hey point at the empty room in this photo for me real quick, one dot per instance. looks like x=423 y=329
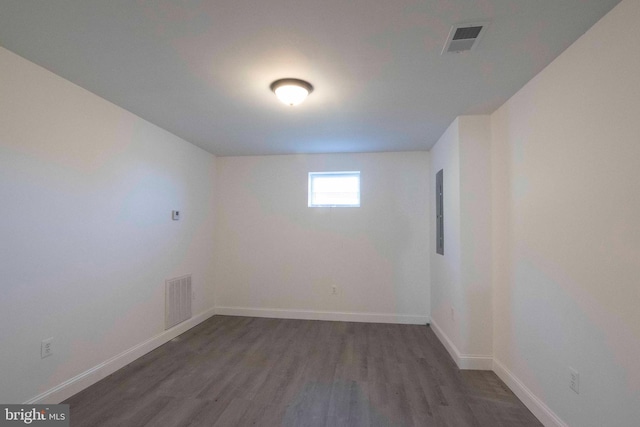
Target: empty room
x=338 y=213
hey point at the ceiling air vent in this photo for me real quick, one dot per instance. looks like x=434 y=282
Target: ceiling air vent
x=464 y=37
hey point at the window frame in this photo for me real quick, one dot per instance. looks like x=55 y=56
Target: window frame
x=311 y=177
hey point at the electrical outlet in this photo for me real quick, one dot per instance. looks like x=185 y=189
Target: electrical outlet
x=46 y=348
x=574 y=380
x=334 y=290
x=175 y=215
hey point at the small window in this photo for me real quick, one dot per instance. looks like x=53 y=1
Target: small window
x=334 y=189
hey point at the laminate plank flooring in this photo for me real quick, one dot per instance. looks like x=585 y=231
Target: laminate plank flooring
x=242 y=371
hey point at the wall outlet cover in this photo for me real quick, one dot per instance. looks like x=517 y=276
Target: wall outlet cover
x=574 y=380
x=46 y=348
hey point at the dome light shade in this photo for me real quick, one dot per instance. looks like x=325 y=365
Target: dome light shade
x=291 y=91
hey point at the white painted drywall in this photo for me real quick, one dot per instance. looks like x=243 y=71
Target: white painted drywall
x=475 y=233
x=566 y=193
x=279 y=257
x=87 y=240
x=446 y=280
x=461 y=279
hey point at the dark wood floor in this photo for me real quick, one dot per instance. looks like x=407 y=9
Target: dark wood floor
x=240 y=371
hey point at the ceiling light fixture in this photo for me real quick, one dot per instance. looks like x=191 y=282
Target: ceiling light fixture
x=291 y=91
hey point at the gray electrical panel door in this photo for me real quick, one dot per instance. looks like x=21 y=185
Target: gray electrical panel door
x=439 y=214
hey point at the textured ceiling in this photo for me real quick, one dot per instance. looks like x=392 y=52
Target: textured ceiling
x=202 y=68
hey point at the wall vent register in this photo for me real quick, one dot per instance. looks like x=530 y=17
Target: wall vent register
x=177 y=300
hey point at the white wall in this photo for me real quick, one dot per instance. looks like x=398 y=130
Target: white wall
x=475 y=234
x=566 y=185
x=446 y=281
x=279 y=257
x=86 y=193
x=461 y=279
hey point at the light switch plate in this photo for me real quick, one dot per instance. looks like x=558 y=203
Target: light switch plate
x=175 y=215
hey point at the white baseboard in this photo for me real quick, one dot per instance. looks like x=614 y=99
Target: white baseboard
x=488 y=363
x=546 y=416
x=91 y=376
x=324 y=315
x=464 y=361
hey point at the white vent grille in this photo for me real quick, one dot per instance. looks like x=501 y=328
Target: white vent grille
x=178 y=301
x=464 y=37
